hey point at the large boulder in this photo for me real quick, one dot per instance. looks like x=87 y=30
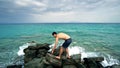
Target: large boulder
x=36 y=51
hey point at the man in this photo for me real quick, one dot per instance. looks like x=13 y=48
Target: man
x=65 y=45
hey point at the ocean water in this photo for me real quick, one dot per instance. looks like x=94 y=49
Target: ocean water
x=88 y=39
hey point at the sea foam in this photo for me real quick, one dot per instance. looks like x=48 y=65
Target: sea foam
x=21 y=48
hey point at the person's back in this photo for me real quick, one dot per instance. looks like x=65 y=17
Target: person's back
x=63 y=36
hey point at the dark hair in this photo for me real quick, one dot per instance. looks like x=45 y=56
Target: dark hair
x=54 y=33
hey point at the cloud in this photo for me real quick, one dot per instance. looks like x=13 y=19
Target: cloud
x=53 y=17
x=29 y=3
x=61 y=10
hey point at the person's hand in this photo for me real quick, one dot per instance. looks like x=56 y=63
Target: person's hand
x=52 y=51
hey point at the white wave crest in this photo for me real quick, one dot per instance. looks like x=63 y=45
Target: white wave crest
x=108 y=59
x=21 y=48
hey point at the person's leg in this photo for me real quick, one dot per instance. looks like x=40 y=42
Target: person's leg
x=67 y=51
x=61 y=51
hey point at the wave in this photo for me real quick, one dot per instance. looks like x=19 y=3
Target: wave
x=21 y=48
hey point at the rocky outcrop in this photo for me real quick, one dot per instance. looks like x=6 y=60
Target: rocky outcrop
x=39 y=57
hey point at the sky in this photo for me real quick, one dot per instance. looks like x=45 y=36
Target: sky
x=50 y=11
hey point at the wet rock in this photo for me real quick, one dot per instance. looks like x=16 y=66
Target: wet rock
x=114 y=66
x=93 y=62
x=98 y=59
x=14 y=66
x=41 y=53
x=69 y=66
x=38 y=57
x=43 y=46
x=77 y=58
x=29 y=55
x=37 y=51
x=53 y=61
x=35 y=63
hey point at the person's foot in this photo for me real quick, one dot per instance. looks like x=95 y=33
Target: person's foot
x=57 y=57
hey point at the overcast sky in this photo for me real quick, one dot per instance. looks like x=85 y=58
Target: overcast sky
x=40 y=11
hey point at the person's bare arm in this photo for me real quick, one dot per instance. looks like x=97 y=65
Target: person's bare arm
x=56 y=42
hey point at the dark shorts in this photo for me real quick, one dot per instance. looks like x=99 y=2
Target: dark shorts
x=67 y=43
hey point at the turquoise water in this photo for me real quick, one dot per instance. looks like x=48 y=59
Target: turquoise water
x=104 y=38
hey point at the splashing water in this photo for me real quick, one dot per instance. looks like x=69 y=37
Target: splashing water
x=108 y=59
x=21 y=48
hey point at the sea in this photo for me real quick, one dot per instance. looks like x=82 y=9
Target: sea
x=88 y=39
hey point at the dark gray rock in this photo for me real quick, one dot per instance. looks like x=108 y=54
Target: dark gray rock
x=14 y=66
x=53 y=61
x=29 y=55
x=93 y=62
x=77 y=58
x=69 y=66
x=35 y=63
x=43 y=46
x=98 y=59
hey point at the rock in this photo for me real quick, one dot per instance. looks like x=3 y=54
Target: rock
x=92 y=62
x=80 y=65
x=77 y=58
x=14 y=66
x=72 y=62
x=32 y=47
x=43 y=46
x=29 y=55
x=98 y=59
x=114 y=66
x=35 y=63
x=69 y=66
x=41 y=53
x=68 y=61
x=38 y=57
x=37 y=51
x=53 y=61
x=49 y=67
